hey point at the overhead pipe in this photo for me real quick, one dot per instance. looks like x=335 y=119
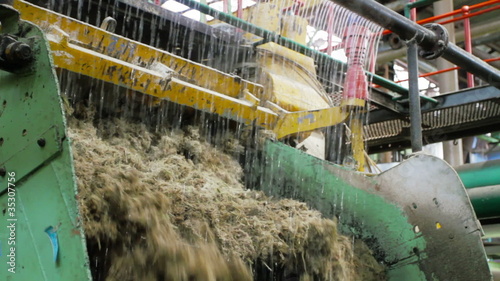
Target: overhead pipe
x=425 y=38
x=422 y=3
x=480 y=174
x=477 y=31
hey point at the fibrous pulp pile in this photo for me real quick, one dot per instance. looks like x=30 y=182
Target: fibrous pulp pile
x=169 y=206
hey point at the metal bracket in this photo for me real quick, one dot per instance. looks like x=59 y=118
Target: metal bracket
x=442 y=42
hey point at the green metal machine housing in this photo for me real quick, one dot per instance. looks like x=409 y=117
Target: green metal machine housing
x=41 y=237
x=416 y=217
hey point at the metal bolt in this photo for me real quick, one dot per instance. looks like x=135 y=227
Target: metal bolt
x=41 y=142
x=19 y=52
x=3 y=172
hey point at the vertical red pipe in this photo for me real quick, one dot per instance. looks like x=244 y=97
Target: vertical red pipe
x=413 y=12
x=468 y=42
x=329 y=30
x=239 y=12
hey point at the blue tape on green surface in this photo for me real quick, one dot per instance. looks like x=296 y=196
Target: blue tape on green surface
x=52 y=232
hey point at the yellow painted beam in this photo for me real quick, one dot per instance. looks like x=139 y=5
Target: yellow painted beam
x=357 y=142
x=93 y=52
x=303 y=121
x=90 y=63
x=130 y=51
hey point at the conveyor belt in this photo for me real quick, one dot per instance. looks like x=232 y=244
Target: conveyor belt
x=459 y=114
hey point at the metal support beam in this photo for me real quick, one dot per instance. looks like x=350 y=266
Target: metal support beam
x=448 y=82
x=415 y=112
x=414 y=93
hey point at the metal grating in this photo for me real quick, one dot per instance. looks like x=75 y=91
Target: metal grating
x=439 y=124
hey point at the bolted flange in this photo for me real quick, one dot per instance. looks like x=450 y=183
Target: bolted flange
x=441 y=44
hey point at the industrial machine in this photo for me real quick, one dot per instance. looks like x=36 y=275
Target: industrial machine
x=417 y=217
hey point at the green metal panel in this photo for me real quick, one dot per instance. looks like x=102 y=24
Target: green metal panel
x=35 y=156
x=396 y=213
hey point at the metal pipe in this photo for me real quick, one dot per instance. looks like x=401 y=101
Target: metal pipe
x=486 y=201
x=329 y=30
x=472 y=64
x=378 y=13
x=477 y=31
x=271 y=36
x=239 y=11
x=415 y=112
x=470 y=15
x=224 y=6
x=491 y=230
x=468 y=43
x=444 y=15
x=414 y=93
x=421 y=3
x=480 y=174
x=456 y=12
x=425 y=38
x=412 y=5
x=491 y=60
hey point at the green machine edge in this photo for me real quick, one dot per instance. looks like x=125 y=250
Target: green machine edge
x=41 y=236
x=421 y=227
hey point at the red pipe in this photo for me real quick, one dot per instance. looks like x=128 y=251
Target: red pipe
x=239 y=12
x=329 y=31
x=492 y=59
x=470 y=15
x=440 y=71
x=468 y=43
x=413 y=12
x=224 y=6
x=456 y=12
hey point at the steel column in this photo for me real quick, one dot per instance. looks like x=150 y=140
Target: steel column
x=414 y=93
x=448 y=82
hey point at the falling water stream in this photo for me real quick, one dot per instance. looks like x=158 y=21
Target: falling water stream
x=160 y=184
